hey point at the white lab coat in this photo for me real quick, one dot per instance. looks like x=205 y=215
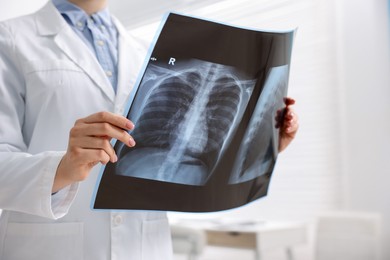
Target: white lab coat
x=48 y=79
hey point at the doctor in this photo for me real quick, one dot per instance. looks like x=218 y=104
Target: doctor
x=67 y=62
x=59 y=69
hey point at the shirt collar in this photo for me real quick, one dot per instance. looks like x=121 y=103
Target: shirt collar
x=78 y=17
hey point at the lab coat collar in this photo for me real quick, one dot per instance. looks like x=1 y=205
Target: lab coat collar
x=51 y=23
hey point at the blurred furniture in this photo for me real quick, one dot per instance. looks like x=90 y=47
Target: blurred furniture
x=348 y=236
x=188 y=240
x=254 y=235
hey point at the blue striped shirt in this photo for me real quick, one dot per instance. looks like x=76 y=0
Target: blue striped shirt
x=98 y=32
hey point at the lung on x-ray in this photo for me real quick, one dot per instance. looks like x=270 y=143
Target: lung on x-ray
x=184 y=116
x=204 y=110
x=255 y=154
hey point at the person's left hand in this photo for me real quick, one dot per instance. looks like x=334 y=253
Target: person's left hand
x=287 y=122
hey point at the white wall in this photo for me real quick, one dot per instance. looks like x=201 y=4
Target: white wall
x=365 y=56
x=10 y=9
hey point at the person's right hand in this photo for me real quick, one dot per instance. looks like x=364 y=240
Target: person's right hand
x=89 y=144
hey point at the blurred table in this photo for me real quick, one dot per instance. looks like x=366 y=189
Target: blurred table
x=249 y=234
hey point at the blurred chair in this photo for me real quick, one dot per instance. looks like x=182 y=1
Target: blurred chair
x=348 y=236
x=187 y=240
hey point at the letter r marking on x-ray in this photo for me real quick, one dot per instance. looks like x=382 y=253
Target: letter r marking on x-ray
x=171 y=61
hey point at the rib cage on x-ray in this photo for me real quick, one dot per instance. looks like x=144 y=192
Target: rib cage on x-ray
x=184 y=123
x=257 y=153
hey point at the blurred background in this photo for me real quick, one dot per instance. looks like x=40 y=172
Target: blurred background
x=335 y=177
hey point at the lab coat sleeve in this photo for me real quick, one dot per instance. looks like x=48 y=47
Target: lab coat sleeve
x=26 y=179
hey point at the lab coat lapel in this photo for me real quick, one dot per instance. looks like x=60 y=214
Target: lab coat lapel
x=76 y=50
x=130 y=61
x=79 y=53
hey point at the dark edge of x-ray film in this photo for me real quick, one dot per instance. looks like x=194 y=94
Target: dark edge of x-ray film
x=204 y=113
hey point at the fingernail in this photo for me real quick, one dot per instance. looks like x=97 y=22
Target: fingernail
x=131 y=142
x=129 y=125
x=115 y=159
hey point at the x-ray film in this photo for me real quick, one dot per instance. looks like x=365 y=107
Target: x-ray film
x=204 y=109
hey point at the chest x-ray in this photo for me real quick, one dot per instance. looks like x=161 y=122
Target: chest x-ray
x=204 y=111
x=183 y=121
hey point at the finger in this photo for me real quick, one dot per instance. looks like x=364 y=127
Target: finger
x=289 y=101
x=292 y=128
x=111 y=118
x=290 y=121
x=88 y=158
x=290 y=114
x=106 y=129
x=97 y=155
x=90 y=142
x=277 y=124
x=282 y=116
x=279 y=118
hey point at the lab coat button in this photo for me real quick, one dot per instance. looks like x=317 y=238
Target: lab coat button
x=100 y=42
x=118 y=220
x=109 y=73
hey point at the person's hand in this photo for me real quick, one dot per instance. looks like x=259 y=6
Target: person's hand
x=287 y=122
x=89 y=144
